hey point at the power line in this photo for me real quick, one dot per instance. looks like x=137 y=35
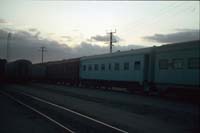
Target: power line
x=162 y=10
x=142 y=20
x=164 y=14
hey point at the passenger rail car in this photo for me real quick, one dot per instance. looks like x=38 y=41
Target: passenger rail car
x=120 y=69
x=177 y=67
x=155 y=68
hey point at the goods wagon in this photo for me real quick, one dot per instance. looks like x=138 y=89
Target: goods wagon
x=18 y=70
x=65 y=71
x=2 y=70
x=38 y=72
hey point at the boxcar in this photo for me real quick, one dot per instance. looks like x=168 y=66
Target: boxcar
x=18 y=70
x=2 y=70
x=38 y=72
x=65 y=71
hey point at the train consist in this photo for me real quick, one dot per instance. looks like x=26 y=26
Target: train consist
x=174 y=67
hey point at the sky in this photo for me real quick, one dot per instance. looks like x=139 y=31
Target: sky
x=77 y=25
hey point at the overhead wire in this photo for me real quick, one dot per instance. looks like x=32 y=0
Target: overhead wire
x=157 y=17
x=164 y=15
x=161 y=11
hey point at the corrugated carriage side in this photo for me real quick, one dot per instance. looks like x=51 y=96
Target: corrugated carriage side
x=18 y=71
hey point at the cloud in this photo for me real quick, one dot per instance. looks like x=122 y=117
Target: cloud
x=105 y=38
x=37 y=34
x=86 y=49
x=3 y=34
x=68 y=38
x=25 y=45
x=2 y=21
x=33 y=30
x=5 y=22
x=50 y=34
x=181 y=35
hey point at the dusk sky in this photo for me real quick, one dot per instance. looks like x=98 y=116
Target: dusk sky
x=73 y=23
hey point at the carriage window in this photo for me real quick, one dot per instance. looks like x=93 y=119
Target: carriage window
x=116 y=67
x=163 y=64
x=96 y=67
x=178 y=63
x=126 y=66
x=194 y=63
x=90 y=68
x=137 y=65
x=103 y=67
x=109 y=66
x=84 y=67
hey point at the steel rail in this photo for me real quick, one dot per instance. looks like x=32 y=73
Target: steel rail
x=74 y=112
x=38 y=112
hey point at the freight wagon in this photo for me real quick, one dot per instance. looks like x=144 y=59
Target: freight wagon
x=2 y=70
x=18 y=71
x=38 y=72
x=65 y=71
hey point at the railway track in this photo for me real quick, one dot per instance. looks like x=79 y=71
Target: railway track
x=131 y=107
x=70 y=120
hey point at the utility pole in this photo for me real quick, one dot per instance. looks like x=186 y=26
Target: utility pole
x=43 y=49
x=111 y=39
x=8 y=46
